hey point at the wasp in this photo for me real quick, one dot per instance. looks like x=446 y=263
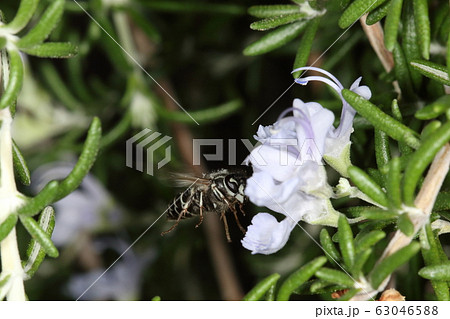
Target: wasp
x=219 y=191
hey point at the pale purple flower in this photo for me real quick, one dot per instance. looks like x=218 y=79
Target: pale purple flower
x=288 y=173
x=337 y=143
x=120 y=282
x=89 y=208
x=265 y=235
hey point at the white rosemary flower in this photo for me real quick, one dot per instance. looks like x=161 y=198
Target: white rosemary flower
x=288 y=173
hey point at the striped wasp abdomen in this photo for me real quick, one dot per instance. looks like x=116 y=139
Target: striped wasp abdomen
x=219 y=191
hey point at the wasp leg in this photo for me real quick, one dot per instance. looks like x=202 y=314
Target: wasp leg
x=201 y=210
x=180 y=216
x=233 y=209
x=225 y=223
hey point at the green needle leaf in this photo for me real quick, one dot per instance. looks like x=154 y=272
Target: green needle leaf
x=448 y=56
x=376 y=175
x=335 y=276
x=431 y=248
x=392 y=262
x=7 y=225
x=44 y=27
x=304 y=49
x=396 y=110
x=20 y=166
x=430 y=128
x=209 y=115
x=436 y=272
x=379 y=13
x=422 y=21
x=52 y=50
x=35 y=252
x=273 y=22
x=435 y=109
x=368 y=240
x=422 y=158
x=356 y=211
x=23 y=16
x=382 y=150
x=267 y=11
x=58 y=86
x=40 y=201
x=343 y=3
x=381 y=120
x=392 y=23
x=432 y=70
x=349 y=294
x=357 y=9
x=341 y=53
x=299 y=277
x=346 y=243
x=401 y=71
x=40 y=235
x=276 y=38
x=379 y=214
x=327 y=244
x=317 y=286
x=442 y=201
x=270 y=294
x=15 y=79
x=404 y=149
x=261 y=288
x=85 y=162
x=405 y=225
x=367 y=185
x=360 y=260
x=393 y=184
x=193 y=6
x=117 y=131
x=409 y=42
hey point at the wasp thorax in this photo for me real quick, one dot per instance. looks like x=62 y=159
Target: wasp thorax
x=218 y=192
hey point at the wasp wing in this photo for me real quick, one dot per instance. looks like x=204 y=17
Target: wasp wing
x=186 y=180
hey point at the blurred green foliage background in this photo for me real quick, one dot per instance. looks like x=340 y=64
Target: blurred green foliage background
x=194 y=50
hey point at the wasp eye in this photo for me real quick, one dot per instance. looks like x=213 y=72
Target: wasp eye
x=231 y=184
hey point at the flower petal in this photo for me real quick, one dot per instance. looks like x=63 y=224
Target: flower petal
x=363 y=91
x=320 y=121
x=263 y=191
x=274 y=159
x=266 y=235
x=313 y=180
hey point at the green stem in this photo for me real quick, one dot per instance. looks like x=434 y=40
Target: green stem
x=11 y=263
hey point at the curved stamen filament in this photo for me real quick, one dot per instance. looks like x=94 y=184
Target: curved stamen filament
x=312 y=68
x=304 y=81
x=301 y=121
x=290 y=109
